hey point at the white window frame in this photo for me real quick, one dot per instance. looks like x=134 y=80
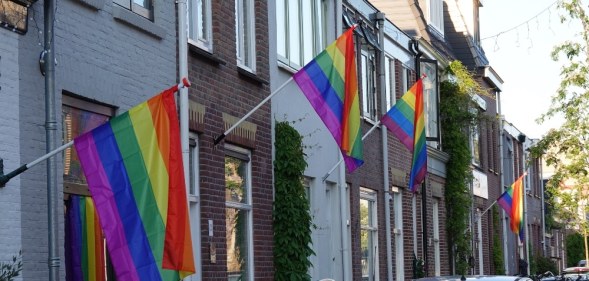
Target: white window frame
x=391 y=82
x=368 y=72
x=436 y=219
x=199 y=28
x=431 y=102
x=435 y=10
x=245 y=34
x=300 y=31
x=475 y=143
x=193 y=191
x=245 y=206
x=372 y=229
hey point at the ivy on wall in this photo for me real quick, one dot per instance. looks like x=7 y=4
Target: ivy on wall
x=292 y=220
x=456 y=119
x=498 y=262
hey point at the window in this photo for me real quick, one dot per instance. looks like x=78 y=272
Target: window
x=245 y=35
x=238 y=214
x=300 y=30
x=81 y=221
x=390 y=86
x=368 y=72
x=430 y=98
x=194 y=204
x=368 y=235
x=436 y=217
x=13 y=15
x=475 y=142
x=143 y=8
x=436 y=15
x=199 y=24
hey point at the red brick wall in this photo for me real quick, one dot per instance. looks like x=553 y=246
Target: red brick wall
x=221 y=89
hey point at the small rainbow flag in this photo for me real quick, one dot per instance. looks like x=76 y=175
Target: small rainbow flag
x=407 y=122
x=133 y=166
x=84 y=252
x=330 y=84
x=512 y=201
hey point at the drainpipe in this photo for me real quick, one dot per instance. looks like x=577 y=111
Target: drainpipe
x=50 y=139
x=184 y=128
x=543 y=208
x=414 y=47
x=380 y=17
x=345 y=231
x=502 y=182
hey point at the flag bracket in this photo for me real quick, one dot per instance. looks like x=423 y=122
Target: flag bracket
x=5 y=178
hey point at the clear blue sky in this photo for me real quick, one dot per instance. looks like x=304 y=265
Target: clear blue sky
x=521 y=57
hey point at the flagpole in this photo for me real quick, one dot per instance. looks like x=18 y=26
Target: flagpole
x=342 y=159
x=222 y=136
x=4 y=178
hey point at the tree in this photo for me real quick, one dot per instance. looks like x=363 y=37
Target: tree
x=566 y=149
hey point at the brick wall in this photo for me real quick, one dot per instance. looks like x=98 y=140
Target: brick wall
x=221 y=89
x=10 y=232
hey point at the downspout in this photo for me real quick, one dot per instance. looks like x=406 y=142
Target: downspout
x=385 y=152
x=185 y=130
x=502 y=183
x=543 y=207
x=345 y=244
x=51 y=138
x=525 y=195
x=415 y=49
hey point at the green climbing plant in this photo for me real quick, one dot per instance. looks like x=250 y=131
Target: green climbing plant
x=498 y=262
x=11 y=269
x=292 y=220
x=456 y=117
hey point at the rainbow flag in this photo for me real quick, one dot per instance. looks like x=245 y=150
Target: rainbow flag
x=512 y=201
x=84 y=252
x=407 y=122
x=133 y=166
x=330 y=84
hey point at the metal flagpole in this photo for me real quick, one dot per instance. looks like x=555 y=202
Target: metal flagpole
x=342 y=159
x=4 y=178
x=222 y=136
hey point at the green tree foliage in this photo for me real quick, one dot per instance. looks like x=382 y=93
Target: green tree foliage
x=292 y=221
x=575 y=248
x=566 y=149
x=456 y=117
x=544 y=264
x=10 y=270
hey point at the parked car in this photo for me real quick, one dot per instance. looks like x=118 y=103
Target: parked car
x=577 y=273
x=476 y=278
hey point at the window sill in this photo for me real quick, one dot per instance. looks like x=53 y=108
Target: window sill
x=134 y=20
x=206 y=55
x=252 y=76
x=92 y=4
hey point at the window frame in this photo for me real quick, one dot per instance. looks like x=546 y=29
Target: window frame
x=143 y=11
x=204 y=41
x=436 y=230
x=368 y=84
x=391 y=82
x=244 y=155
x=194 y=205
x=435 y=10
x=245 y=34
x=476 y=148
x=294 y=31
x=372 y=228
x=432 y=113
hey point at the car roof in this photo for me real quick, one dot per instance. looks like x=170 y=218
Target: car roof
x=475 y=278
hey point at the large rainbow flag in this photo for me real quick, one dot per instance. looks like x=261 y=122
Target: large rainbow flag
x=84 y=252
x=407 y=122
x=330 y=83
x=133 y=166
x=512 y=201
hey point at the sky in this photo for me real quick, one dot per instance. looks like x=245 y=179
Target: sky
x=518 y=37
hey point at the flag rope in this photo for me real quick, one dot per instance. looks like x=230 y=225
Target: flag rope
x=4 y=178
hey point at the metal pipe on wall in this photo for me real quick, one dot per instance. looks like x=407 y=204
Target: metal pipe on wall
x=51 y=139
